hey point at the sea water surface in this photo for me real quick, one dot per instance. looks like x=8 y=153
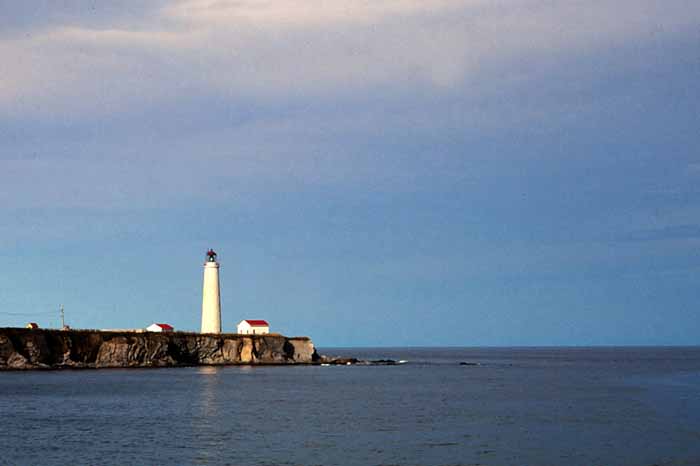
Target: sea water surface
x=509 y=406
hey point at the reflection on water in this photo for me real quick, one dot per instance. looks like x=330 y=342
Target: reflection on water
x=218 y=399
x=208 y=370
x=206 y=395
x=205 y=399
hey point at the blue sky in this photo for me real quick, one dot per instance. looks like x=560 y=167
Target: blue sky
x=401 y=172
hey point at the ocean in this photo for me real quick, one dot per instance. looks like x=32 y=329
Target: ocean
x=506 y=406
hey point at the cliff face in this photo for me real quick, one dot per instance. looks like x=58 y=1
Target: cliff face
x=45 y=349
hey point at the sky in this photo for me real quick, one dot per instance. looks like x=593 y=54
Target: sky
x=371 y=173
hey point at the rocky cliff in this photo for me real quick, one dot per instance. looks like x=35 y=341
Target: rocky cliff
x=53 y=349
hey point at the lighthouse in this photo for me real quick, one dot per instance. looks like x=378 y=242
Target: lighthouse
x=211 y=297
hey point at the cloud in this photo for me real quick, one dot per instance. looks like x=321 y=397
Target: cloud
x=291 y=48
x=299 y=13
x=24 y=19
x=103 y=109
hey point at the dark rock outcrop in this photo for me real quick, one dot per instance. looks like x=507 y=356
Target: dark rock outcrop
x=340 y=361
x=53 y=349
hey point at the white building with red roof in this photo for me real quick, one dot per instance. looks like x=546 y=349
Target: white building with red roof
x=253 y=327
x=159 y=328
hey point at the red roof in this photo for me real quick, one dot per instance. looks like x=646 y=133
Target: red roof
x=165 y=326
x=257 y=323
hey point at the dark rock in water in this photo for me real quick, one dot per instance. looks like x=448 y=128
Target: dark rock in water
x=337 y=361
x=463 y=363
x=384 y=362
x=52 y=349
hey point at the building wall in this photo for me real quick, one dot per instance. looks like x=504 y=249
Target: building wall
x=254 y=331
x=123 y=330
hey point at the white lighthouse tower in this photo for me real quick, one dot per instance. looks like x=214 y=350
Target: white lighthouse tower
x=211 y=297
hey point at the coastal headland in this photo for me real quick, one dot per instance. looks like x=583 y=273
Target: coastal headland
x=22 y=349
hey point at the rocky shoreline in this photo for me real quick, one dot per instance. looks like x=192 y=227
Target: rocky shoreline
x=33 y=349
x=23 y=349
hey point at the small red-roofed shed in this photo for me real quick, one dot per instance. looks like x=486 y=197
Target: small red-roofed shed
x=160 y=328
x=253 y=327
